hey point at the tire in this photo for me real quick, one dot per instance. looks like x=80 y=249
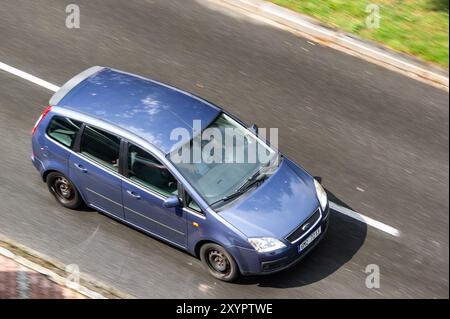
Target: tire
x=219 y=262
x=64 y=190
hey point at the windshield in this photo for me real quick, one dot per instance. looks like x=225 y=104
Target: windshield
x=223 y=158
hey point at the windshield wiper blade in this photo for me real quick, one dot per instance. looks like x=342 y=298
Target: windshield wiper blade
x=241 y=190
x=255 y=178
x=227 y=198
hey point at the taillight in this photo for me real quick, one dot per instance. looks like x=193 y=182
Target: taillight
x=39 y=120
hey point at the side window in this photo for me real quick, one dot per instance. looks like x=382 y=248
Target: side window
x=147 y=170
x=101 y=146
x=192 y=204
x=63 y=130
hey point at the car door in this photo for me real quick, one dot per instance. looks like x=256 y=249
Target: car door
x=147 y=184
x=95 y=170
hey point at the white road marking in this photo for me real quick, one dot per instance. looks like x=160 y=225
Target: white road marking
x=369 y=221
x=28 y=77
x=340 y=209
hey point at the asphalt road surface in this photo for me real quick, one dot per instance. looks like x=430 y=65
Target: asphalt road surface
x=378 y=140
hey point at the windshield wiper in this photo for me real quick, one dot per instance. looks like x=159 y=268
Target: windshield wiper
x=258 y=177
x=253 y=180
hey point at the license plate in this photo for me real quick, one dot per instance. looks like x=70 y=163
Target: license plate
x=310 y=239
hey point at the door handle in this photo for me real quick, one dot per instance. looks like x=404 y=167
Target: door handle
x=81 y=168
x=131 y=193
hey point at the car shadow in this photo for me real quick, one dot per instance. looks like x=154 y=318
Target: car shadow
x=344 y=238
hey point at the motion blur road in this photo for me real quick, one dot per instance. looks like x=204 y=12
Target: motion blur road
x=378 y=140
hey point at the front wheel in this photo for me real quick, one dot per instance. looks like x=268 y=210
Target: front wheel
x=219 y=262
x=64 y=190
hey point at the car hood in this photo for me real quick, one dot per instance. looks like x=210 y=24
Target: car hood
x=279 y=205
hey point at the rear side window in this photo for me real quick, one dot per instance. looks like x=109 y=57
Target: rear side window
x=63 y=130
x=101 y=146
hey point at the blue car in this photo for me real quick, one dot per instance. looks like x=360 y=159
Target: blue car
x=109 y=140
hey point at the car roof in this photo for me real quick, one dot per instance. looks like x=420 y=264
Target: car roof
x=147 y=108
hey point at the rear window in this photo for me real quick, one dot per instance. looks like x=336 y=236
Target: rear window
x=63 y=130
x=101 y=146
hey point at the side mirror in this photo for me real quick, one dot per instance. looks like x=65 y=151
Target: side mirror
x=254 y=129
x=171 y=202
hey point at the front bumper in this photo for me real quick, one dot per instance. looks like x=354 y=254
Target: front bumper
x=253 y=263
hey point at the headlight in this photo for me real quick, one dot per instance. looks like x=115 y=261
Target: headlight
x=321 y=195
x=266 y=244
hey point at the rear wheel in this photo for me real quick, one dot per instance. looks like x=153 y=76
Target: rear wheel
x=219 y=262
x=64 y=190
